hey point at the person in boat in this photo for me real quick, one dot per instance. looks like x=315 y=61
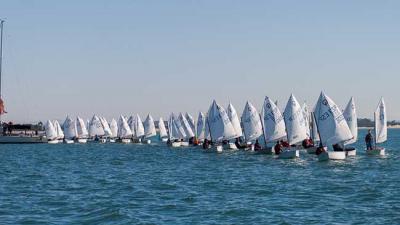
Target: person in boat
x=191 y=140
x=368 y=140
x=338 y=147
x=320 y=149
x=278 y=148
x=225 y=142
x=285 y=144
x=4 y=129
x=307 y=143
x=238 y=144
x=96 y=138
x=206 y=144
x=195 y=141
x=257 y=146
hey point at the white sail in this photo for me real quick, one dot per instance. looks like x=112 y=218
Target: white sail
x=132 y=124
x=314 y=129
x=149 y=127
x=252 y=127
x=81 y=130
x=161 y=128
x=306 y=115
x=350 y=115
x=234 y=118
x=191 y=122
x=60 y=133
x=106 y=126
x=332 y=126
x=176 y=130
x=69 y=126
x=114 y=128
x=51 y=132
x=294 y=121
x=123 y=128
x=274 y=124
x=186 y=126
x=95 y=127
x=139 y=128
x=380 y=123
x=201 y=126
x=219 y=123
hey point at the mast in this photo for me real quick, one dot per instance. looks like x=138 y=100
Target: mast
x=1 y=56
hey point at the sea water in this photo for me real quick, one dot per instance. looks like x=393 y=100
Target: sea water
x=153 y=184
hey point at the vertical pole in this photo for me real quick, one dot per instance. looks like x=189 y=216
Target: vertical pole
x=1 y=58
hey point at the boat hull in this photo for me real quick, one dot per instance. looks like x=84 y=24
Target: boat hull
x=164 y=139
x=376 y=151
x=289 y=154
x=146 y=141
x=232 y=146
x=53 y=142
x=311 y=150
x=67 y=141
x=176 y=144
x=185 y=144
x=82 y=141
x=326 y=156
x=351 y=152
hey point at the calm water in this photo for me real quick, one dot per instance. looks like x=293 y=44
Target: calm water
x=141 y=184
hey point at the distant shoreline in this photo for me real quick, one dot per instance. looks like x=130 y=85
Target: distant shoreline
x=389 y=127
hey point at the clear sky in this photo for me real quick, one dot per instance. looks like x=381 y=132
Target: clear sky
x=123 y=57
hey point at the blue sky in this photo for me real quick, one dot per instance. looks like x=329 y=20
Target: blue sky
x=124 y=57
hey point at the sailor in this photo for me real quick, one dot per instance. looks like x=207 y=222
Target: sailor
x=206 y=144
x=320 y=149
x=238 y=144
x=368 y=140
x=257 y=146
x=278 y=148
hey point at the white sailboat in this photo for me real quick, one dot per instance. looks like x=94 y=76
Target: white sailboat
x=149 y=129
x=201 y=126
x=191 y=122
x=106 y=127
x=70 y=133
x=82 y=132
x=186 y=127
x=60 y=133
x=350 y=115
x=332 y=128
x=124 y=132
x=295 y=128
x=114 y=130
x=220 y=126
x=51 y=133
x=273 y=123
x=162 y=130
x=380 y=129
x=176 y=132
x=139 y=129
x=96 y=130
x=252 y=126
x=234 y=118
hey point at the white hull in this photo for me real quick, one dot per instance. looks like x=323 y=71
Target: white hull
x=219 y=148
x=125 y=141
x=176 y=144
x=376 y=151
x=232 y=146
x=351 y=152
x=146 y=141
x=164 y=139
x=82 y=141
x=325 y=156
x=289 y=154
x=67 y=141
x=112 y=140
x=185 y=144
x=103 y=140
x=53 y=142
